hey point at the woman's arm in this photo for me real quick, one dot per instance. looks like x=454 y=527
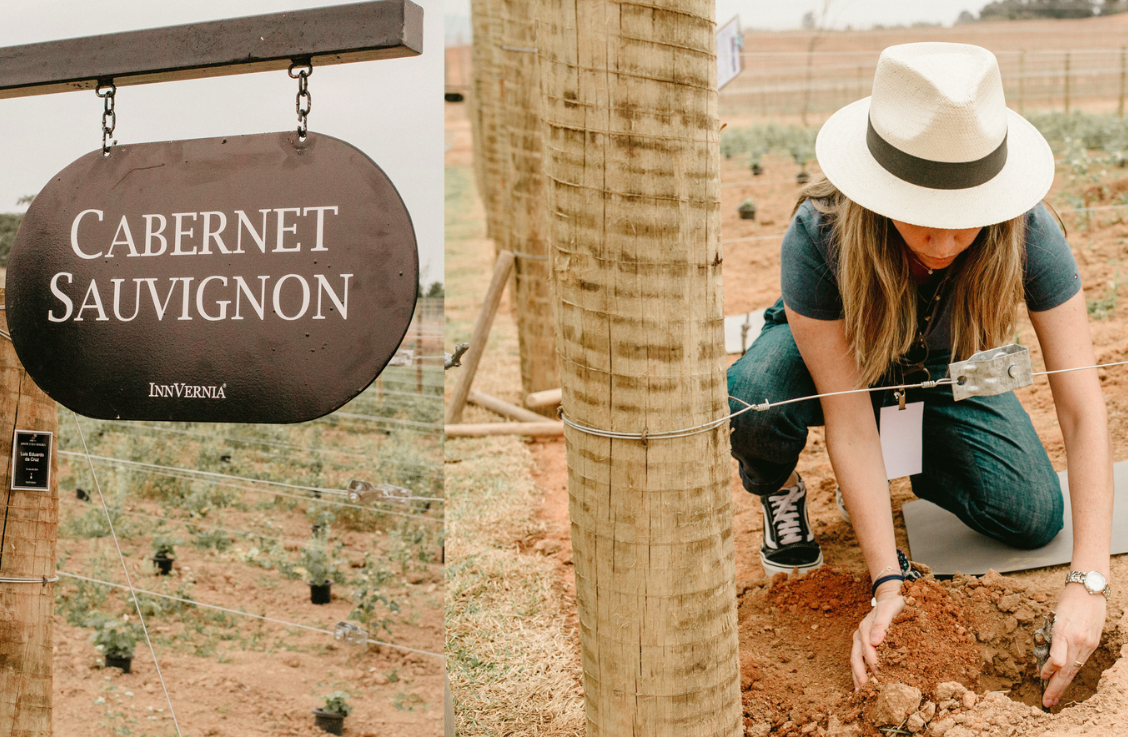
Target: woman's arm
x=1063 y=334
x=855 y=452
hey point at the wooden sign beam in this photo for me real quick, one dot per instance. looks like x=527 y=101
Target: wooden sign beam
x=340 y=34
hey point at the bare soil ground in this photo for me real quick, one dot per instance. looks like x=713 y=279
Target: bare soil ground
x=230 y=675
x=795 y=634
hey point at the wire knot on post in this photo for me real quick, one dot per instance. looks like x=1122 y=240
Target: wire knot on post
x=301 y=72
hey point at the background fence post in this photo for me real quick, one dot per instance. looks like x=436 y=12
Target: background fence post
x=28 y=548
x=1067 y=83
x=1120 y=99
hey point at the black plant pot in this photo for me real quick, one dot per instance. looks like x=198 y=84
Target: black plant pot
x=747 y=213
x=113 y=661
x=319 y=594
x=757 y=170
x=164 y=565
x=82 y=494
x=328 y=721
x=802 y=177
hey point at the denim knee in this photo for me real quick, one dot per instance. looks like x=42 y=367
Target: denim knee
x=1030 y=524
x=767 y=444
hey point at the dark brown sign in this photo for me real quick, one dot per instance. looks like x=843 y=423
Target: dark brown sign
x=242 y=279
x=31 y=460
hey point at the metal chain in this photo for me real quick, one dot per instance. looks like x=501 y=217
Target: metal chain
x=109 y=116
x=301 y=73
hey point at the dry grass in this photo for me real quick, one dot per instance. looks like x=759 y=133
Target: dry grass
x=512 y=667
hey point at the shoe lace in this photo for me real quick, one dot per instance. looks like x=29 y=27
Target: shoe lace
x=786 y=516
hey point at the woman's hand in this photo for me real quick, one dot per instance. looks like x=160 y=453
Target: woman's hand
x=1077 y=632
x=871 y=632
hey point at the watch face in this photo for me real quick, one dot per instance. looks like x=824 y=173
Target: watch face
x=1094 y=582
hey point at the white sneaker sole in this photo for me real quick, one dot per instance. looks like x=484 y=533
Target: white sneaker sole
x=841 y=504
x=771 y=569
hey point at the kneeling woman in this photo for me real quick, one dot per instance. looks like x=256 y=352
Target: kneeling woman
x=913 y=251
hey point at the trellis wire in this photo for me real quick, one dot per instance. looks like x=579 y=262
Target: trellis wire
x=432 y=468
x=188 y=522
x=215 y=474
x=193 y=602
x=765 y=405
x=185 y=475
x=128 y=580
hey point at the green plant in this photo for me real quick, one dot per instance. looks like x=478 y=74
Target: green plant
x=210 y=538
x=1105 y=306
x=114 y=638
x=315 y=559
x=337 y=703
x=165 y=547
x=369 y=592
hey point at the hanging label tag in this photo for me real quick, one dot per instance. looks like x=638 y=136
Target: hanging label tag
x=901 y=439
x=31 y=461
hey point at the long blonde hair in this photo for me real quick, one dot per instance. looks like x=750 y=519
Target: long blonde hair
x=879 y=297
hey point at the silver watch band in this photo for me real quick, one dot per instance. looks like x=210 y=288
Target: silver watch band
x=1082 y=578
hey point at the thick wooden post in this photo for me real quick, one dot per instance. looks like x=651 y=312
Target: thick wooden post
x=526 y=231
x=26 y=609
x=632 y=164
x=488 y=88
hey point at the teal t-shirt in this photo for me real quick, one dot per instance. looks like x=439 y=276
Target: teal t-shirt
x=809 y=273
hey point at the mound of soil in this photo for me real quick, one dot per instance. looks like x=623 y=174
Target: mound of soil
x=954 y=639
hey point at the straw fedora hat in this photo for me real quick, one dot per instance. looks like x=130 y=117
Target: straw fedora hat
x=935 y=145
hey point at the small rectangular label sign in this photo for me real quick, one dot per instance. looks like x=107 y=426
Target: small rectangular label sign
x=31 y=461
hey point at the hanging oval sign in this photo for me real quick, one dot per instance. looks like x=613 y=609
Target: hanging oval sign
x=254 y=278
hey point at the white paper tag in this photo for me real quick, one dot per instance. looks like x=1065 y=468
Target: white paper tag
x=901 y=439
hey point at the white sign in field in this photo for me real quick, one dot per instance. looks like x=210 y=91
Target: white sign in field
x=729 y=43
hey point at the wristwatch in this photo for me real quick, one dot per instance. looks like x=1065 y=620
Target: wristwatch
x=1093 y=581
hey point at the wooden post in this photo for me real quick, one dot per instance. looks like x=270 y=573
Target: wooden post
x=1022 y=81
x=26 y=609
x=416 y=357
x=488 y=87
x=632 y=164
x=503 y=408
x=1123 y=70
x=527 y=221
x=478 y=340
x=1067 y=83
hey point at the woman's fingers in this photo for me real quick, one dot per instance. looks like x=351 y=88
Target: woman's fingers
x=857 y=662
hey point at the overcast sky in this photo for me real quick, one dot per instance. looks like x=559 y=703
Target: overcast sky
x=776 y=15
x=392 y=109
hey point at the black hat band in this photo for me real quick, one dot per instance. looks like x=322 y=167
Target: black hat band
x=935 y=174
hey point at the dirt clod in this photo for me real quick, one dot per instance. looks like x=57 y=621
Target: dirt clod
x=895 y=702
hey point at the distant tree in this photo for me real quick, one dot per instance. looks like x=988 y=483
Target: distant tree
x=436 y=289
x=1033 y=9
x=1112 y=7
x=9 y=223
x=965 y=17
x=808 y=22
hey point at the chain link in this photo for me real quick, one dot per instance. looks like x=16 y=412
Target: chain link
x=109 y=116
x=301 y=73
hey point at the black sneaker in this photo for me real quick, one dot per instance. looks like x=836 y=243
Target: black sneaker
x=789 y=543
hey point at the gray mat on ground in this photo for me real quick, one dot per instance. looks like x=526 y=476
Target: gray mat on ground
x=938 y=539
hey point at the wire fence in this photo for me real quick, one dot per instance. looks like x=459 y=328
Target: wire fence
x=816 y=83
